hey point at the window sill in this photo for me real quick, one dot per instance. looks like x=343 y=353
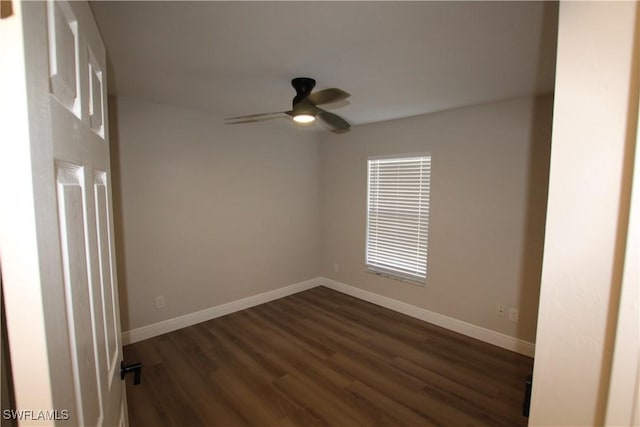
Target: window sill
x=416 y=282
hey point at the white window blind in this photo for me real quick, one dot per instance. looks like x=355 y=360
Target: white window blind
x=398 y=217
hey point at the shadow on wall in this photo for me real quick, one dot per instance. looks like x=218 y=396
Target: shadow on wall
x=536 y=211
x=538 y=184
x=116 y=190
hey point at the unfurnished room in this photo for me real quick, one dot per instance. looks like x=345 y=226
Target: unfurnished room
x=326 y=213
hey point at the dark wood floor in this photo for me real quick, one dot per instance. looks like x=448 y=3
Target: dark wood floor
x=323 y=358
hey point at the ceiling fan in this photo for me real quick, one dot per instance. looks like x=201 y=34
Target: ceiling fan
x=305 y=107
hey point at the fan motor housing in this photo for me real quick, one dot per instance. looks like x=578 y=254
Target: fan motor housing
x=303 y=87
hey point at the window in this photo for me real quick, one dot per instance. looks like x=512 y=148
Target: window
x=398 y=217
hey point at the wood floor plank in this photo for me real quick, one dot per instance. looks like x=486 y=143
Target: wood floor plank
x=395 y=385
x=202 y=398
x=254 y=400
x=371 y=344
x=322 y=358
x=391 y=411
x=462 y=396
x=323 y=404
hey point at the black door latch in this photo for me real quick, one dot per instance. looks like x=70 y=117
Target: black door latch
x=136 y=368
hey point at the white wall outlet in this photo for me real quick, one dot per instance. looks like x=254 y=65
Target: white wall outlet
x=500 y=311
x=160 y=301
x=336 y=268
x=513 y=314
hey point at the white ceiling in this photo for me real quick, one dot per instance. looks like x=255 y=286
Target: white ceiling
x=397 y=59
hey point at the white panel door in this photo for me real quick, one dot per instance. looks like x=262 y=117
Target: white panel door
x=58 y=260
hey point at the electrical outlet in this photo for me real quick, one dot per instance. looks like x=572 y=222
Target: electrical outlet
x=500 y=311
x=336 y=268
x=513 y=314
x=160 y=301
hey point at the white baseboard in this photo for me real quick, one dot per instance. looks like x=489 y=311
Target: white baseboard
x=455 y=325
x=170 y=325
x=459 y=326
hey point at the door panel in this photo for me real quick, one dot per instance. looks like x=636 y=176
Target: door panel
x=78 y=288
x=107 y=296
x=80 y=138
x=65 y=278
x=63 y=54
x=96 y=95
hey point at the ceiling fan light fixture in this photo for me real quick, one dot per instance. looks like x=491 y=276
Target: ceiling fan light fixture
x=304 y=109
x=304 y=118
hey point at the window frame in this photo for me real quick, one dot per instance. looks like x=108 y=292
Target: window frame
x=387 y=272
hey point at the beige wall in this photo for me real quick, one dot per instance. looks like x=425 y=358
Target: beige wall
x=594 y=132
x=488 y=201
x=207 y=213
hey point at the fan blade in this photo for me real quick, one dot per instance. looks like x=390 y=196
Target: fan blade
x=261 y=119
x=257 y=116
x=335 y=123
x=251 y=121
x=327 y=96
